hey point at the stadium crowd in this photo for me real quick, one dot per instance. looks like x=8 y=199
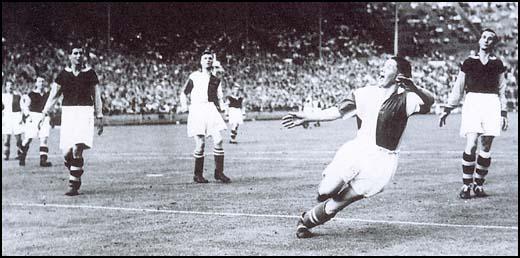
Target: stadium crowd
x=276 y=77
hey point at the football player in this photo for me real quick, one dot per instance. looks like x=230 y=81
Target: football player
x=32 y=106
x=363 y=166
x=235 y=112
x=11 y=119
x=204 y=120
x=484 y=111
x=81 y=99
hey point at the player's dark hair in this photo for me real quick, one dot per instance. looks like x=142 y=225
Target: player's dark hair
x=73 y=45
x=207 y=51
x=403 y=66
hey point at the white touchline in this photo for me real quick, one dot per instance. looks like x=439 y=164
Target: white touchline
x=253 y=215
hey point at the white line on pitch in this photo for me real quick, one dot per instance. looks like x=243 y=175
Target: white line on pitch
x=254 y=215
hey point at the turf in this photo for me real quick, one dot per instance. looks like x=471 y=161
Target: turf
x=138 y=197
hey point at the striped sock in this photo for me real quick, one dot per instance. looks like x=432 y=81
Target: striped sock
x=76 y=169
x=483 y=164
x=219 y=159
x=468 y=168
x=317 y=216
x=44 y=153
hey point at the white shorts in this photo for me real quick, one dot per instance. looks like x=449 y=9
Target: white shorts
x=235 y=116
x=368 y=169
x=31 y=126
x=204 y=119
x=77 y=126
x=481 y=114
x=12 y=123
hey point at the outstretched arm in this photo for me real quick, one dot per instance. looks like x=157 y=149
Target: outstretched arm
x=98 y=105
x=503 y=101
x=294 y=119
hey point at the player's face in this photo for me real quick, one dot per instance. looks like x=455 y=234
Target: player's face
x=388 y=73
x=40 y=83
x=234 y=90
x=9 y=87
x=206 y=61
x=487 y=40
x=76 y=56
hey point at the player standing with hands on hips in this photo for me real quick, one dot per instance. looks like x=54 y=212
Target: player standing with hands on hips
x=204 y=119
x=363 y=166
x=483 y=114
x=81 y=98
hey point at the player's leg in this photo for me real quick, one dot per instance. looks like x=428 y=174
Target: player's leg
x=7 y=146
x=23 y=150
x=468 y=164
x=483 y=164
x=76 y=161
x=198 y=154
x=218 y=152
x=44 y=152
x=234 y=133
x=19 y=146
x=334 y=195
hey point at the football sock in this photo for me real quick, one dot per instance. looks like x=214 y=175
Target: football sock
x=468 y=168
x=199 y=162
x=483 y=163
x=317 y=216
x=233 y=134
x=219 y=160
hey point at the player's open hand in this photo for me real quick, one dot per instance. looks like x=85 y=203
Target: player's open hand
x=100 y=126
x=293 y=119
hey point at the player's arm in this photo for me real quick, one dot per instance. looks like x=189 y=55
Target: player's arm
x=454 y=97
x=186 y=91
x=98 y=108
x=503 y=100
x=426 y=98
x=345 y=109
x=53 y=98
x=220 y=96
x=25 y=102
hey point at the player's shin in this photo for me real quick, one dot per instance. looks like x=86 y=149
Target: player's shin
x=468 y=167
x=76 y=171
x=317 y=216
x=483 y=164
x=199 y=167
x=219 y=165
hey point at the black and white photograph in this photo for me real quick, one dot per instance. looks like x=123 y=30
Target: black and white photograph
x=259 y=128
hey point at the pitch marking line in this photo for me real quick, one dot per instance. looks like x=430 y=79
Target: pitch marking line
x=227 y=214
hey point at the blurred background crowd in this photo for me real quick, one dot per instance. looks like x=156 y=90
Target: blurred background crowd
x=281 y=56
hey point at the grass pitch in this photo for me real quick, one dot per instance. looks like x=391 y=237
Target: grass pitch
x=138 y=197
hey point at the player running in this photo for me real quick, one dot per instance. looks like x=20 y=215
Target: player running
x=483 y=114
x=365 y=165
x=32 y=106
x=204 y=119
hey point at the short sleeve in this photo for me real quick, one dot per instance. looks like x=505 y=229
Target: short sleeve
x=93 y=78
x=500 y=67
x=466 y=66
x=413 y=103
x=60 y=79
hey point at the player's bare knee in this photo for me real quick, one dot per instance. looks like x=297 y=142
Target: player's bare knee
x=486 y=142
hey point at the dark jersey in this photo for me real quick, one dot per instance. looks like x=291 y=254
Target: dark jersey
x=78 y=90
x=235 y=102
x=391 y=121
x=482 y=78
x=37 y=101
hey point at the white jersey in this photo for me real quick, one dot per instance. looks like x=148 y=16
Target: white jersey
x=7 y=103
x=201 y=83
x=381 y=123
